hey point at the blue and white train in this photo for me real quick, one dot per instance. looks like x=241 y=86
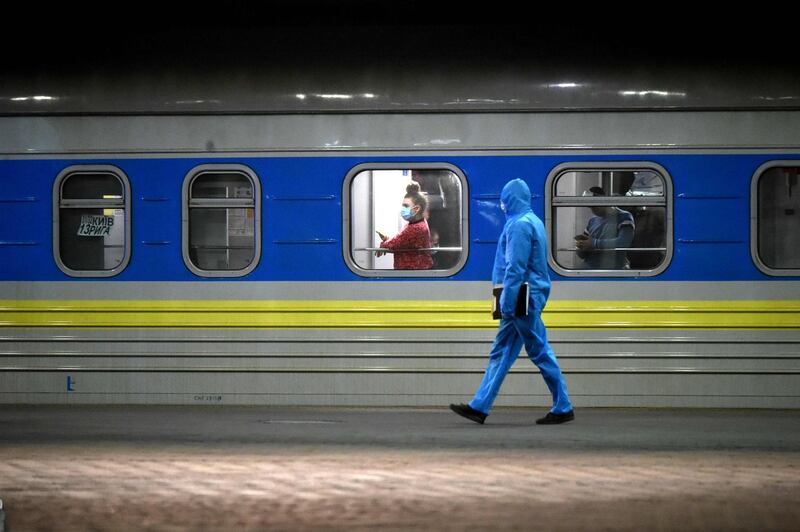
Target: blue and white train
x=208 y=235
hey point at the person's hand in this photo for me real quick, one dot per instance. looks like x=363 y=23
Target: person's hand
x=380 y=253
x=583 y=242
x=381 y=236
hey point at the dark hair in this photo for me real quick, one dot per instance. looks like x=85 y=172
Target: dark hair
x=413 y=193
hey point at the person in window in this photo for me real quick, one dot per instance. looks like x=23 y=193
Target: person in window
x=608 y=229
x=521 y=257
x=415 y=235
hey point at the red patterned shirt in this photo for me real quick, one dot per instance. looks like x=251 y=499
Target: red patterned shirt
x=413 y=236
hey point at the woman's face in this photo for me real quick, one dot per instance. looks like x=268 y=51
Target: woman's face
x=410 y=204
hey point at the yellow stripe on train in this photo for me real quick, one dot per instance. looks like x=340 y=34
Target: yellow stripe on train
x=356 y=314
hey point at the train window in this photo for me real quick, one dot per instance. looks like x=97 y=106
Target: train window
x=429 y=239
x=221 y=220
x=610 y=220
x=91 y=216
x=775 y=214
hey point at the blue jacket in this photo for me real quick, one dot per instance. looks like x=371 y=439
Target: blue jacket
x=614 y=230
x=521 y=251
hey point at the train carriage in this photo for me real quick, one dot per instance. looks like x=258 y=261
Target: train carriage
x=215 y=242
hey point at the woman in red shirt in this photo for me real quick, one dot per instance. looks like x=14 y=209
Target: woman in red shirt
x=415 y=235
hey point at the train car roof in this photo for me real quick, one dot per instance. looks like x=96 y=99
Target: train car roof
x=356 y=56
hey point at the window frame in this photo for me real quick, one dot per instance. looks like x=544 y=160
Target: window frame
x=754 y=220
x=221 y=203
x=552 y=201
x=347 y=225
x=58 y=202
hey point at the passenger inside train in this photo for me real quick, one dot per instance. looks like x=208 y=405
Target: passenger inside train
x=608 y=230
x=414 y=236
x=434 y=200
x=627 y=206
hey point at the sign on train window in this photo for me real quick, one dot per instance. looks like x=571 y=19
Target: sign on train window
x=221 y=220
x=775 y=212
x=405 y=220
x=91 y=216
x=609 y=219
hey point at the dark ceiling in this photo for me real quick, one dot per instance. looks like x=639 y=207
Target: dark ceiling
x=330 y=31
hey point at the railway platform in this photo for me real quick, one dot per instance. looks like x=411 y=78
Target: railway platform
x=290 y=468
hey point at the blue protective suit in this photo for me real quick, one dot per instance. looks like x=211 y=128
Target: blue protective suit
x=521 y=257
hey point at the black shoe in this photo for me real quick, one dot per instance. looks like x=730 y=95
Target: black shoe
x=468 y=412
x=555 y=419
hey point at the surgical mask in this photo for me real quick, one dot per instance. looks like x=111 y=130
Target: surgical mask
x=406 y=213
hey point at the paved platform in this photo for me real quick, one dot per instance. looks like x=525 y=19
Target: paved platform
x=259 y=468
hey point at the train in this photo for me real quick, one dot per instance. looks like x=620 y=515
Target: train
x=205 y=232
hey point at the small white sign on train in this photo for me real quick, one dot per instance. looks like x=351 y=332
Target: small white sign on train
x=95 y=225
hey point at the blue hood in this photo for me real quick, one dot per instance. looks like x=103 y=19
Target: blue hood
x=516 y=196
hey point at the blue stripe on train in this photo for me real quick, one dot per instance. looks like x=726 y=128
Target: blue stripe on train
x=711 y=234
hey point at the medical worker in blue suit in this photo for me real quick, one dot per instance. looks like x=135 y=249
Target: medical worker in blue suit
x=521 y=257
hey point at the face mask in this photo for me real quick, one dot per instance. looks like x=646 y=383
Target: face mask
x=406 y=213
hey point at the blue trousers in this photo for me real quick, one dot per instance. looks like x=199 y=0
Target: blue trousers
x=512 y=334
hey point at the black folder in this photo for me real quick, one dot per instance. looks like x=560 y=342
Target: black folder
x=522 y=301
